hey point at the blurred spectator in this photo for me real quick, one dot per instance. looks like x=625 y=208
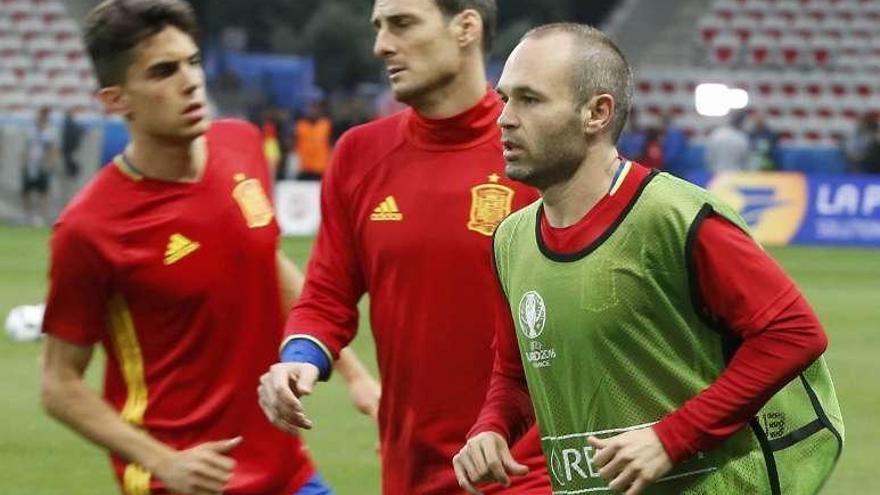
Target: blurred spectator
x=652 y=153
x=727 y=147
x=271 y=145
x=281 y=118
x=312 y=137
x=275 y=123
x=41 y=156
x=763 y=141
x=871 y=162
x=632 y=141
x=71 y=137
x=675 y=144
x=348 y=112
x=861 y=147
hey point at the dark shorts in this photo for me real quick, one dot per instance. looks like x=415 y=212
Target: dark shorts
x=40 y=183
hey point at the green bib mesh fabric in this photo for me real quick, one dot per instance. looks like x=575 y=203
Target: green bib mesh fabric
x=611 y=340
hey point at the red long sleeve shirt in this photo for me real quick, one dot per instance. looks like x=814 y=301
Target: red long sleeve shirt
x=408 y=209
x=740 y=284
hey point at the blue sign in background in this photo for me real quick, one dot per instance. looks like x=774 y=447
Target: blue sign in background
x=795 y=208
x=842 y=210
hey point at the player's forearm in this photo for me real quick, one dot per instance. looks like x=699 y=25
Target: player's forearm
x=78 y=406
x=507 y=410
x=290 y=281
x=761 y=366
x=350 y=367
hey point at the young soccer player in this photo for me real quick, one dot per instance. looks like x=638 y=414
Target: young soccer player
x=170 y=260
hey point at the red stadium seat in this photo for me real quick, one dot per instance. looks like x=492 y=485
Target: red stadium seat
x=742 y=27
x=791 y=88
x=774 y=26
x=821 y=53
x=792 y=50
x=724 y=50
x=709 y=27
x=762 y=51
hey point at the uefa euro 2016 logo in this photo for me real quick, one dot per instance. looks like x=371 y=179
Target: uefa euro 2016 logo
x=532 y=314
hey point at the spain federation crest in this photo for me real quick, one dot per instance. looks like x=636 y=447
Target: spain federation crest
x=490 y=204
x=251 y=198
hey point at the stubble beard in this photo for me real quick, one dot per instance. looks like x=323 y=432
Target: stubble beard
x=553 y=162
x=419 y=94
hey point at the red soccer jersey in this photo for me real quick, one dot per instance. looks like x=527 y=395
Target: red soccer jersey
x=178 y=281
x=409 y=206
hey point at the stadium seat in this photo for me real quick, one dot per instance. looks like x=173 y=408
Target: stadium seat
x=862 y=28
x=792 y=50
x=821 y=52
x=743 y=28
x=10 y=46
x=709 y=27
x=41 y=47
x=29 y=28
x=724 y=50
x=725 y=9
x=791 y=87
x=65 y=29
x=825 y=107
x=804 y=26
x=815 y=84
x=800 y=107
x=773 y=26
x=762 y=51
x=786 y=9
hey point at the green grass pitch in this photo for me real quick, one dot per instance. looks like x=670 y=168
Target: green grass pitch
x=38 y=456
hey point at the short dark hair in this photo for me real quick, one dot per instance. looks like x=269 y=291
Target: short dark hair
x=599 y=66
x=114 y=28
x=487 y=9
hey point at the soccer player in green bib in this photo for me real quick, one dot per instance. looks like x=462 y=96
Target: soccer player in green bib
x=663 y=351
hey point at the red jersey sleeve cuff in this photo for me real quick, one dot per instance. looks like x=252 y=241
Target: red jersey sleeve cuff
x=488 y=425
x=670 y=432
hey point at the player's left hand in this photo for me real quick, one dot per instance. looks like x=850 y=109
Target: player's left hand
x=365 y=393
x=631 y=461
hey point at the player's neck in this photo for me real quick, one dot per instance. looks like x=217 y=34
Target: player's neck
x=457 y=97
x=567 y=202
x=171 y=161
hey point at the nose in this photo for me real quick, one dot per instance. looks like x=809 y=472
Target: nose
x=382 y=46
x=507 y=119
x=193 y=78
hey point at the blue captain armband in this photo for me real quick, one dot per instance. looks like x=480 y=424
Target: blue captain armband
x=306 y=350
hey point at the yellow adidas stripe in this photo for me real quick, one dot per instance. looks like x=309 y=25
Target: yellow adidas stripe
x=136 y=480
x=392 y=203
x=131 y=362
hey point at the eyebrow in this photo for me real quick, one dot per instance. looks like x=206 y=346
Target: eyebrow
x=520 y=89
x=375 y=21
x=163 y=64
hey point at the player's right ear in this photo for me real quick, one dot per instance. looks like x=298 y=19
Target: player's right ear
x=114 y=100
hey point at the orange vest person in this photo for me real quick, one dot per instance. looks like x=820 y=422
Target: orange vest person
x=313 y=142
